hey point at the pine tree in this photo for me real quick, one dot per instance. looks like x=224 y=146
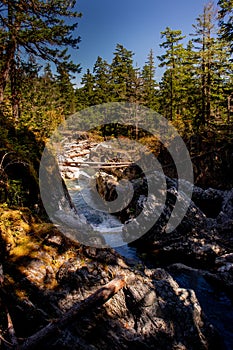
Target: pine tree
x=102 y=88
x=122 y=74
x=149 y=85
x=189 y=90
x=222 y=82
x=85 y=94
x=39 y=28
x=136 y=89
x=171 y=60
x=65 y=86
x=42 y=108
x=204 y=38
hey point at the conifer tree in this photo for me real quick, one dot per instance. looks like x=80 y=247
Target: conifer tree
x=205 y=47
x=222 y=81
x=102 y=88
x=136 y=90
x=65 y=86
x=42 y=108
x=122 y=74
x=39 y=28
x=85 y=94
x=189 y=89
x=149 y=85
x=171 y=60
x=226 y=34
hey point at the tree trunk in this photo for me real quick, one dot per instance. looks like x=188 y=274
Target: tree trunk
x=5 y=71
x=203 y=93
x=15 y=95
x=1 y=92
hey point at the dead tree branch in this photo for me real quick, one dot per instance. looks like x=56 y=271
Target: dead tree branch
x=93 y=301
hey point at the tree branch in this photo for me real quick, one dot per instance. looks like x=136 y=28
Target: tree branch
x=95 y=300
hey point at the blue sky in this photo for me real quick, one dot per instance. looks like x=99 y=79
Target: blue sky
x=132 y=23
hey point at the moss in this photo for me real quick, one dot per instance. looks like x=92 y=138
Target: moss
x=28 y=248
x=24 y=248
x=42 y=229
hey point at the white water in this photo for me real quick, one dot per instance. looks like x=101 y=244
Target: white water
x=108 y=225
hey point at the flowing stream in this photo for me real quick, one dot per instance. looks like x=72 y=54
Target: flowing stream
x=108 y=225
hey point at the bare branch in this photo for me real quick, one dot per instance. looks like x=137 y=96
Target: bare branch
x=93 y=301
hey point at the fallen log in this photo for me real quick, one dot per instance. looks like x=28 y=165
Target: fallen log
x=96 y=164
x=93 y=301
x=80 y=154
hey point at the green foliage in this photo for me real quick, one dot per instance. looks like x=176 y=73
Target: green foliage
x=226 y=20
x=39 y=29
x=15 y=193
x=171 y=83
x=102 y=81
x=149 y=85
x=85 y=95
x=195 y=91
x=213 y=67
x=122 y=74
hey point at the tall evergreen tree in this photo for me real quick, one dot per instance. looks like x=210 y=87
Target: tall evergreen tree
x=171 y=60
x=205 y=47
x=41 y=99
x=222 y=81
x=65 y=86
x=189 y=90
x=39 y=28
x=122 y=74
x=136 y=89
x=102 y=89
x=226 y=33
x=149 y=85
x=85 y=94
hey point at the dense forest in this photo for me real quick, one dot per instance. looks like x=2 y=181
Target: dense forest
x=43 y=273
x=195 y=89
x=37 y=74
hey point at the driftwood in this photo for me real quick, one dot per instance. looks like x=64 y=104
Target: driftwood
x=97 y=164
x=93 y=301
x=80 y=154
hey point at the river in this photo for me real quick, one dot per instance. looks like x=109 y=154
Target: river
x=108 y=225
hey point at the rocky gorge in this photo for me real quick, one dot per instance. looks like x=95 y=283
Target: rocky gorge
x=201 y=243
x=47 y=276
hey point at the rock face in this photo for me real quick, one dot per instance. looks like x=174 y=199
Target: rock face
x=150 y=312
x=204 y=233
